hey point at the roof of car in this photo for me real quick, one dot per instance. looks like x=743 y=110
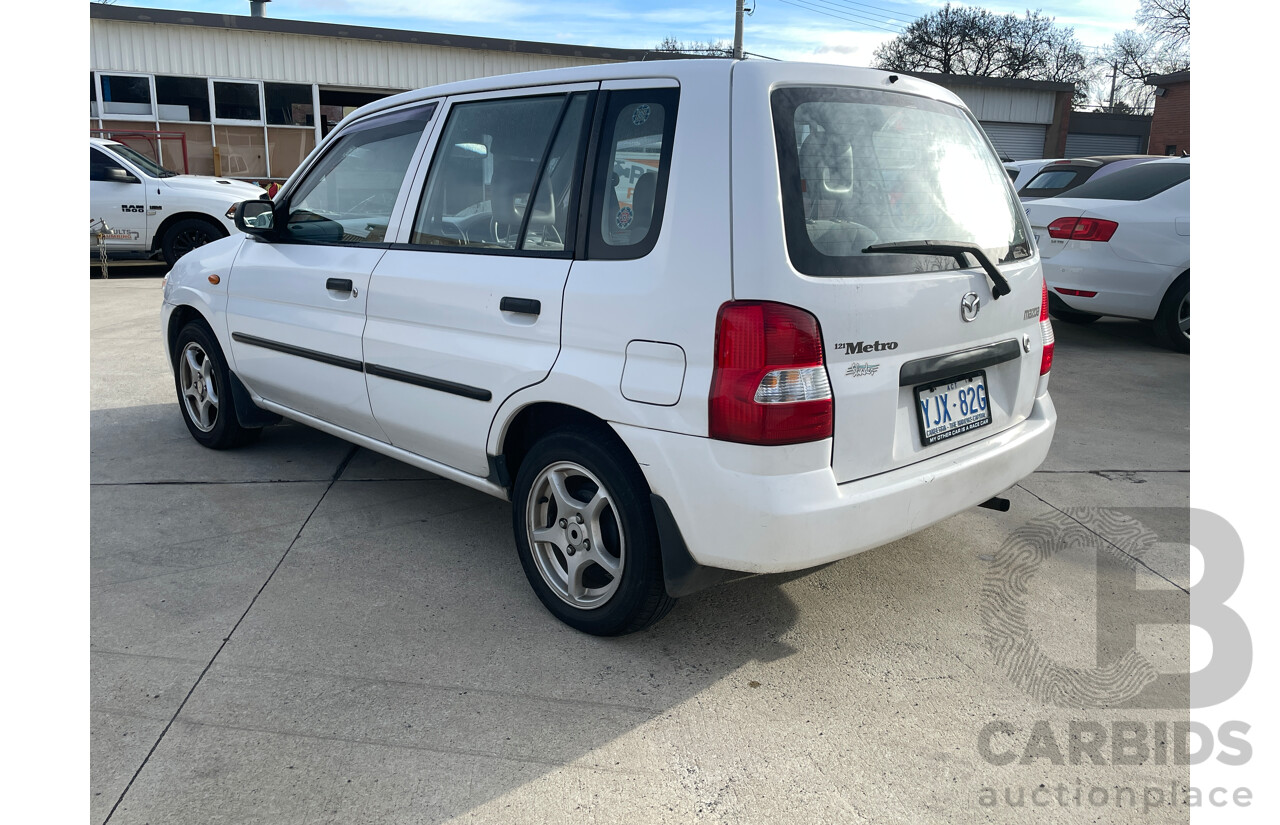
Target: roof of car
x=678 y=70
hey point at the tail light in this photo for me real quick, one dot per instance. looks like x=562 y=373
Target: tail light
x=770 y=383
x=1046 y=331
x=1078 y=293
x=1082 y=229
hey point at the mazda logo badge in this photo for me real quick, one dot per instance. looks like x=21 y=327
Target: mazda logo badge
x=969 y=306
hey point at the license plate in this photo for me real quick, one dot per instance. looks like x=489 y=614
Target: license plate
x=949 y=408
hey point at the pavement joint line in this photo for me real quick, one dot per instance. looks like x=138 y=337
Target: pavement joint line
x=1097 y=472
x=103 y=652
x=1118 y=548
x=386 y=743
x=255 y=481
x=443 y=688
x=175 y=571
x=336 y=474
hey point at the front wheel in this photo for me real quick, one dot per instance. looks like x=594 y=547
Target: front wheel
x=586 y=536
x=204 y=390
x=185 y=235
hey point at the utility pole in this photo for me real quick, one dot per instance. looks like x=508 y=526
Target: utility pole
x=737 y=32
x=1111 y=104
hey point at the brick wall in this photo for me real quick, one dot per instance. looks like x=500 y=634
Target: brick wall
x=1171 y=122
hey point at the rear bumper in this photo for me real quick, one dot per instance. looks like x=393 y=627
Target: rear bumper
x=1130 y=289
x=735 y=519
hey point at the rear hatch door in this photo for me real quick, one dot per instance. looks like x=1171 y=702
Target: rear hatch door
x=922 y=358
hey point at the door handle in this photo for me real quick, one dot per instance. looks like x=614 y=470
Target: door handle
x=526 y=306
x=339 y=285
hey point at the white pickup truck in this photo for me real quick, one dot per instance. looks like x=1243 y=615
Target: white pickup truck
x=139 y=206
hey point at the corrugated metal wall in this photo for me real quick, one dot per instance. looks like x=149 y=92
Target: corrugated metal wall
x=1007 y=105
x=1084 y=146
x=227 y=53
x=1020 y=141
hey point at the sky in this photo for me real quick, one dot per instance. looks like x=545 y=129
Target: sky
x=832 y=31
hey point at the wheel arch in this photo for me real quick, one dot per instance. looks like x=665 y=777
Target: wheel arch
x=522 y=429
x=158 y=238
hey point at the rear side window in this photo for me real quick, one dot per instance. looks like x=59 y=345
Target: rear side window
x=630 y=183
x=348 y=196
x=1137 y=183
x=861 y=167
x=505 y=176
x=1057 y=179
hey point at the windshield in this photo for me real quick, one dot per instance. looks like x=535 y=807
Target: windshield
x=138 y=159
x=861 y=167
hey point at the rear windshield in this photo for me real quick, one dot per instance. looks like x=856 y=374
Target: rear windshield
x=1057 y=179
x=861 y=167
x=1137 y=183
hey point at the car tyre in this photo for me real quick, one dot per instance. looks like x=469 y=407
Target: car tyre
x=1071 y=316
x=203 y=382
x=187 y=234
x=1173 y=321
x=586 y=536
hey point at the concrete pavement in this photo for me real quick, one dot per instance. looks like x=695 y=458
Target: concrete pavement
x=301 y=631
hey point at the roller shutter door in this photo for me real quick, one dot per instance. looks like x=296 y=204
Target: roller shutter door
x=1020 y=141
x=1086 y=146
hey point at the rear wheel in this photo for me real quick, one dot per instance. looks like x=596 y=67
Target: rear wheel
x=586 y=536
x=185 y=235
x=204 y=390
x=1173 y=321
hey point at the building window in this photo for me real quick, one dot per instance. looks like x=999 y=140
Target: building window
x=288 y=104
x=126 y=95
x=237 y=101
x=1170 y=149
x=183 y=99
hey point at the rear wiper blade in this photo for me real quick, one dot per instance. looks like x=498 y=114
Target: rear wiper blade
x=949 y=249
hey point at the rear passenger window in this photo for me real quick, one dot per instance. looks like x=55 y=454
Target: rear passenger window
x=480 y=194
x=631 y=173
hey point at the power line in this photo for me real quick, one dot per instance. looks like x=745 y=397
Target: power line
x=868 y=6
x=859 y=14
x=801 y=5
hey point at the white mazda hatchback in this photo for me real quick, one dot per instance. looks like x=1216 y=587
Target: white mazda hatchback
x=693 y=319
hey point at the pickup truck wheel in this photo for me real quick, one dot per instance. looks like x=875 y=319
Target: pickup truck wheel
x=185 y=235
x=204 y=390
x=586 y=536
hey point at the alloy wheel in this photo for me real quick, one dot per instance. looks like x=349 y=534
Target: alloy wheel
x=575 y=536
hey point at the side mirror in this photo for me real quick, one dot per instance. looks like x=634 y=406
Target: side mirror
x=256 y=217
x=115 y=174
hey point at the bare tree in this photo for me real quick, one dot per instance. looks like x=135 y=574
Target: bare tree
x=966 y=40
x=1161 y=46
x=719 y=48
x=1167 y=20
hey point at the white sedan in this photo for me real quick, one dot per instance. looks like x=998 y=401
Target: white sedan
x=1121 y=246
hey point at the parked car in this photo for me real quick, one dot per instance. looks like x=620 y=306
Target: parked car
x=1121 y=245
x=682 y=358
x=1021 y=171
x=1059 y=176
x=150 y=209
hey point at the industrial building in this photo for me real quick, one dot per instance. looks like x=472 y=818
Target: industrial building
x=249 y=96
